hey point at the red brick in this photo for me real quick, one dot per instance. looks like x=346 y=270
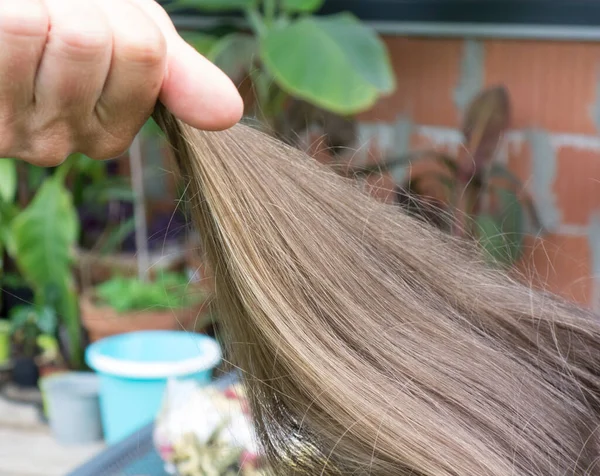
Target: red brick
x=561 y=264
x=577 y=184
x=427 y=72
x=552 y=84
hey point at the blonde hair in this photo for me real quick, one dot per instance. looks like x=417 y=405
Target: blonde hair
x=372 y=343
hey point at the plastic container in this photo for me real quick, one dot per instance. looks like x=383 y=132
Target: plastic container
x=134 y=369
x=72 y=400
x=4 y=342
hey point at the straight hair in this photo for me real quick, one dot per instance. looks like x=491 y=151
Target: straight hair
x=373 y=343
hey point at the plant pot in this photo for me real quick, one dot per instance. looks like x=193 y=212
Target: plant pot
x=73 y=407
x=4 y=343
x=47 y=371
x=25 y=372
x=103 y=321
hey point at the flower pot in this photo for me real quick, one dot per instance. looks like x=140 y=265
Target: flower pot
x=73 y=407
x=25 y=372
x=46 y=372
x=103 y=321
x=4 y=342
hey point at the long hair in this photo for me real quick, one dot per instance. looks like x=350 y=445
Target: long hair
x=372 y=343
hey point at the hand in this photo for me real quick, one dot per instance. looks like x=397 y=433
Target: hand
x=84 y=76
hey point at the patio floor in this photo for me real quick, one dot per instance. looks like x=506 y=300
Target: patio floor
x=27 y=447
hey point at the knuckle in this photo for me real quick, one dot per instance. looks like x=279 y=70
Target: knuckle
x=81 y=36
x=110 y=148
x=52 y=152
x=23 y=18
x=147 y=49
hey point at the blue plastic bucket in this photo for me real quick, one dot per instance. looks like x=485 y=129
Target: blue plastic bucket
x=134 y=369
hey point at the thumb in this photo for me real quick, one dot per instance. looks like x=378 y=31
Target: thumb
x=193 y=89
x=197 y=92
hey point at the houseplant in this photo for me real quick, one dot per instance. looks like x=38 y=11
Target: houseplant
x=334 y=63
x=28 y=323
x=39 y=236
x=470 y=194
x=127 y=304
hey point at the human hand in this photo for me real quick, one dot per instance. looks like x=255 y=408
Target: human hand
x=85 y=75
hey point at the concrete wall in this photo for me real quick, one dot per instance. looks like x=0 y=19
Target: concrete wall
x=553 y=146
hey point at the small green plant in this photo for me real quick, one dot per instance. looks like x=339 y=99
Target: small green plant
x=28 y=324
x=40 y=236
x=484 y=200
x=335 y=62
x=167 y=291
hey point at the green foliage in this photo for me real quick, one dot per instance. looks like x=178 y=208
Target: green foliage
x=41 y=240
x=485 y=201
x=501 y=236
x=8 y=180
x=29 y=323
x=168 y=291
x=335 y=62
x=301 y=6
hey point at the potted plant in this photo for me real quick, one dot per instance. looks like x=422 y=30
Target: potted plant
x=28 y=323
x=470 y=195
x=39 y=235
x=303 y=69
x=126 y=304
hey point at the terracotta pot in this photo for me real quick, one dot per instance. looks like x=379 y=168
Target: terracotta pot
x=103 y=321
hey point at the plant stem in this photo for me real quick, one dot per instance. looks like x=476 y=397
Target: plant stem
x=141 y=227
x=256 y=22
x=269 y=7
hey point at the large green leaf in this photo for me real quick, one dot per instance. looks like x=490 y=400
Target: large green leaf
x=44 y=234
x=211 y=5
x=234 y=54
x=334 y=62
x=8 y=180
x=301 y=6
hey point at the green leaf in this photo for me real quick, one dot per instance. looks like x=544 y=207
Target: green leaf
x=109 y=190
x=35 y=176
x=213 y=5
x=8 y=180
x=44 y=234
x=502 y=236
x=168 y=291
x=117 y=236
x=234 y=54
x=301 y=6
x=334 y=62
x=47 y=320
x=201 y=42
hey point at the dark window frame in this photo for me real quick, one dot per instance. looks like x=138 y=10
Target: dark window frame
x=555 y=13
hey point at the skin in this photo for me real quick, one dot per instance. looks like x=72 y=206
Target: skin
x=84 y=76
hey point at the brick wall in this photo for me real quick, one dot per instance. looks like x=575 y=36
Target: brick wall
x=553 y=146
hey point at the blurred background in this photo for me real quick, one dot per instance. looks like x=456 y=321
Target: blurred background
x=480 y=117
